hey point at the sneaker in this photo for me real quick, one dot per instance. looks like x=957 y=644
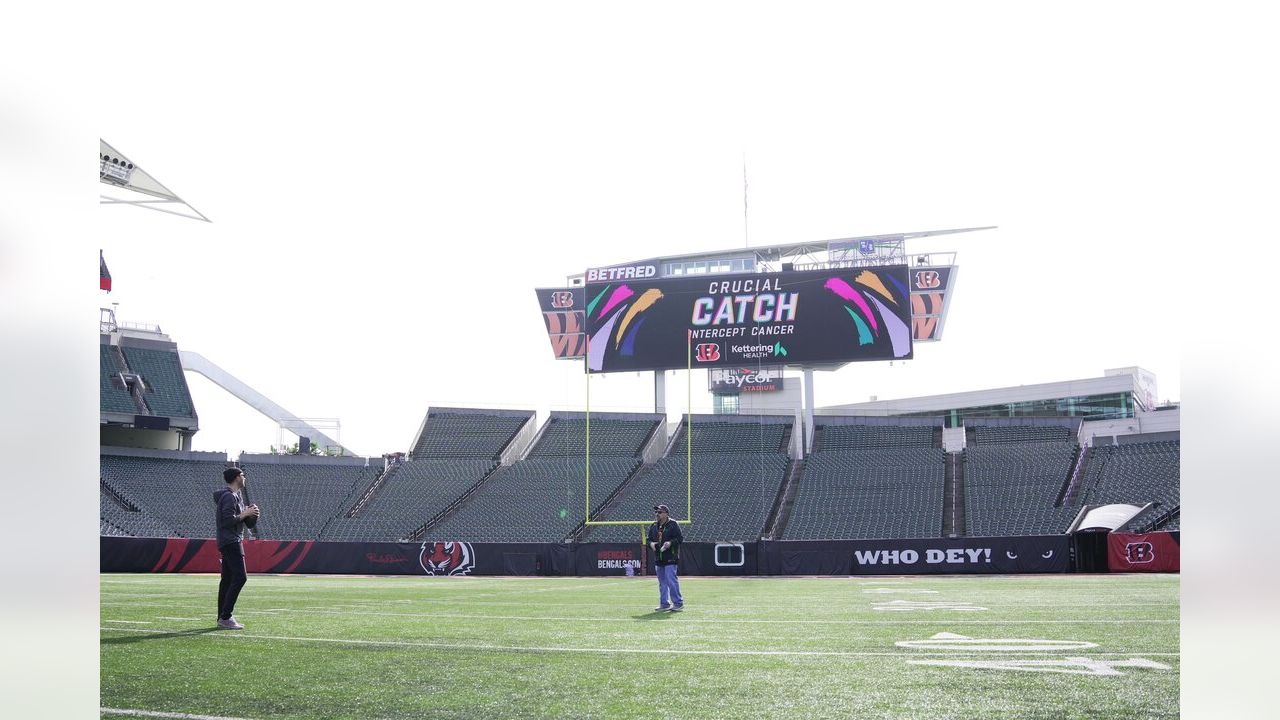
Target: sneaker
x=662 y=608
x=677 y=608
x=230 y=624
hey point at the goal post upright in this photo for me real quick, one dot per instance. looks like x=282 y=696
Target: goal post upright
x=688 y=433
x=587 y=516
x=688 y=462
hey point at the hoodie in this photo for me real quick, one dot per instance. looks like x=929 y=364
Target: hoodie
x=230 y=526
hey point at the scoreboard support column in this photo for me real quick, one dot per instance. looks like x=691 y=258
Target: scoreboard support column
x=808 y=411
x=660 y=391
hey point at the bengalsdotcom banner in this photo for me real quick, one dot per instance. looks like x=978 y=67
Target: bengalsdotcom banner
x=784 y=318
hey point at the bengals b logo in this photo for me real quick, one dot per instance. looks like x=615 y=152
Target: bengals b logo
x=1140 y=552
x=708 y=352
x=562 y=299
x=927 y=279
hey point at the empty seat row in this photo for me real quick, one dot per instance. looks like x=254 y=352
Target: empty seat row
x=466 y=434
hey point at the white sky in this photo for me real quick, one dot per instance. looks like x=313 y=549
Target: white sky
x=387 y=188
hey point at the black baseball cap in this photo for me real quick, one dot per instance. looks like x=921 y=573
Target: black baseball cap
x=662 y=508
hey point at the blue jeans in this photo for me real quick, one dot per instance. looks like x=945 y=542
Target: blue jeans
x=668 y=586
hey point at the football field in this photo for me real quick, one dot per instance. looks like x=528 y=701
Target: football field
x=1047 y=646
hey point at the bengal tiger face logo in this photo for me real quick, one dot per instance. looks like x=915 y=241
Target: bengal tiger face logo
x=446 y=558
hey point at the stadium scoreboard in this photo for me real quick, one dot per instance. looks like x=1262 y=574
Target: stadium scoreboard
x=814 y=317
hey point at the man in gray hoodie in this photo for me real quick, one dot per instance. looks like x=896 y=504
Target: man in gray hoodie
x=232 y=517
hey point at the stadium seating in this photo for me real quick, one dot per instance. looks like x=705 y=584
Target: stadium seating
x=736 y=472
x=1013 y=477
x=535 y=500
x=298 y=500
x=870 y=482
x=117 y=520
x=161 y=370
x=541 y=498
x=410 y=494
x=111 y=397
x=1133 y=473
x=1020 y=434
x=856 y=437
x=567 y=437
x=467 y=433
x=176 y=493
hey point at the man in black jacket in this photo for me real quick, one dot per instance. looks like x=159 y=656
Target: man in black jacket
x=232 y=517
x=664 y=538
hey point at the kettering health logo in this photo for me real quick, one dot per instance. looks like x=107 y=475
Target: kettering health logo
x=778 y=350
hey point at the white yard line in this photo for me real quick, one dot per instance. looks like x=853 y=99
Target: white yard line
x=687 y=619
x=131 y=622
x=158 y=714
x=712 y=621
x=591 y=650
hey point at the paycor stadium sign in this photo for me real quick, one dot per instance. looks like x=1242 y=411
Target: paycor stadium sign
x=732 y=381
x=784 y=318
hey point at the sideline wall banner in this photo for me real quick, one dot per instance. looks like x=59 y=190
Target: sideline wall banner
x=700 y=558
x=128 y=554
x=608 y=559
x=1151 y=552
x=1026 y=554
x=784 y=557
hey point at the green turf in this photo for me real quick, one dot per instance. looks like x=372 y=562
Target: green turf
x=400 y=647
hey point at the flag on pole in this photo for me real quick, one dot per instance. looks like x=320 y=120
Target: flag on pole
x=104 y=275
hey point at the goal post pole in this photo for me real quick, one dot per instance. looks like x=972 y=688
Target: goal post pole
x=688 y=456
x=587 y=516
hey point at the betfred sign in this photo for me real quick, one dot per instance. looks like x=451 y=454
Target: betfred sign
x=732 y=381
x=621 y=272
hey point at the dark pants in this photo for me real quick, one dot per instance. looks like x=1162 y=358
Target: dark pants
x=233 y=578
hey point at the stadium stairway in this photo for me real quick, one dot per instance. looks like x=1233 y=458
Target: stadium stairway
x=785 y=445
x=1074 y=484
x=370 y=492
x=953 y=524
x=618 y=495
x=781 y=513
x=115 y=497
x=422 y=530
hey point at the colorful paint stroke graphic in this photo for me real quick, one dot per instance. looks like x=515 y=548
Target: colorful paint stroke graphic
x=926 y=311
x=865 y=300
x=628 y=314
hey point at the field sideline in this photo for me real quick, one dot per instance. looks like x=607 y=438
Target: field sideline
x=1045 y=646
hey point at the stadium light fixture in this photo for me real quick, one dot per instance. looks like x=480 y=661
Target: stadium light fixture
x=114 y=170
x=121 y=174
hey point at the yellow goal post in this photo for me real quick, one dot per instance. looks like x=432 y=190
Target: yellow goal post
x=688 y=460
